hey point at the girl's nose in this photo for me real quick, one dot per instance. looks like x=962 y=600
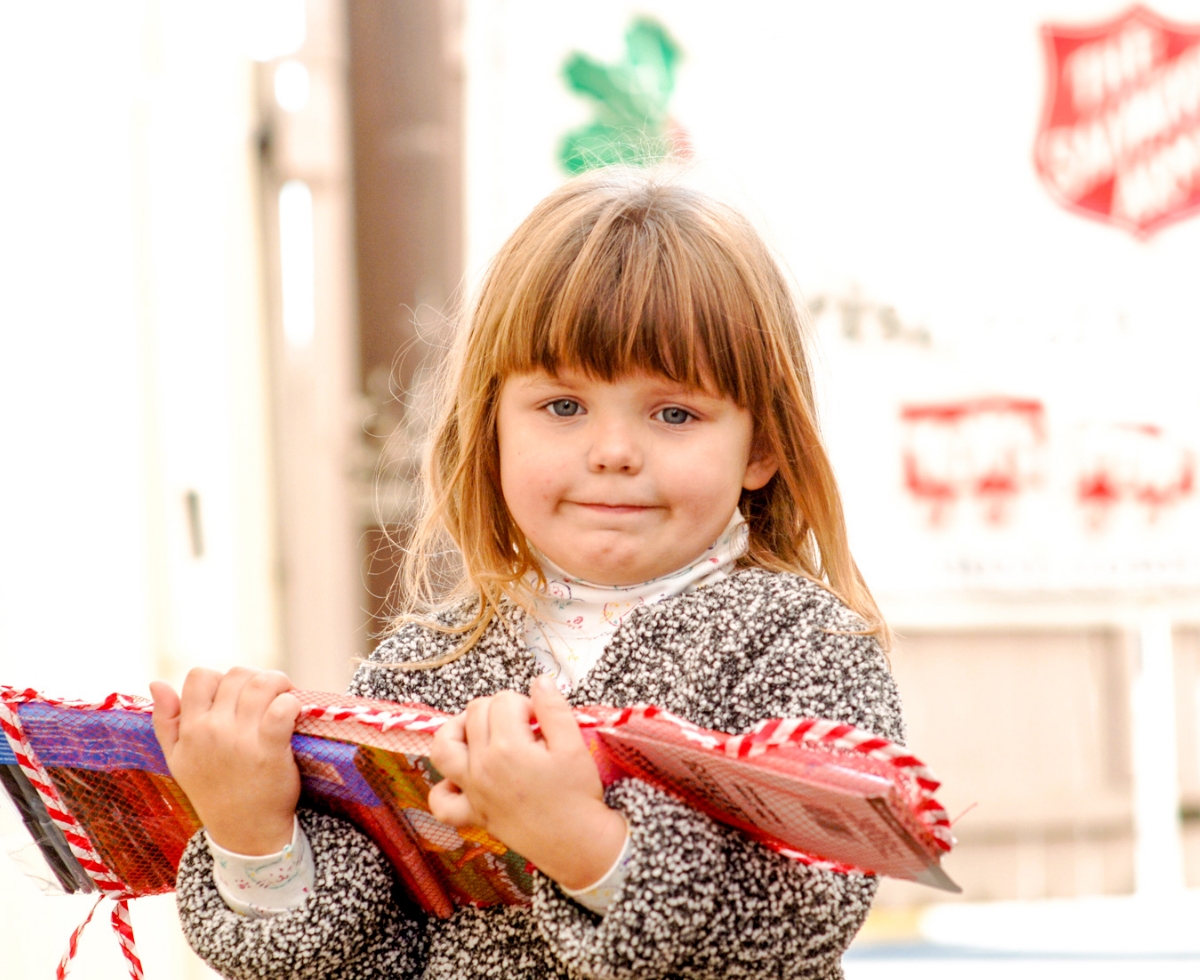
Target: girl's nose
x=614 y=449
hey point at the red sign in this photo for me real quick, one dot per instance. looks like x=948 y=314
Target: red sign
x=987 y=449
x=1133 y=463
x=1120 y=134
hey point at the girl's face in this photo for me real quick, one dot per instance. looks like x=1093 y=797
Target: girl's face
x=624 y=481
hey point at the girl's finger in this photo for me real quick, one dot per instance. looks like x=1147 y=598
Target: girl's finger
x=509 y=717
x=166 y=715
x=449 y=753
x=554 y=715
x=279 y=720
x=229 y=691
x=450 y=805
x=477 y=729
x=199 y=689
x=257 y=693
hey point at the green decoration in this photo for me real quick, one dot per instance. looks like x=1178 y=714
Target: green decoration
x=630 y=99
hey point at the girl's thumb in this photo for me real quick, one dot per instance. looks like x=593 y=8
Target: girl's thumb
x=555 y=717
x=166 y=715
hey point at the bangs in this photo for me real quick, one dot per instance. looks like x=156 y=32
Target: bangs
x=642 y=290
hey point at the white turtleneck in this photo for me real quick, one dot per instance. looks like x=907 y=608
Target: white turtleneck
x=574 y=620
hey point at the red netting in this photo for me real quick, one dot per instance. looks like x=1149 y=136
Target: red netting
x=816 y=790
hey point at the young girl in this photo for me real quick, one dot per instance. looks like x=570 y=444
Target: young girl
x=628 y=464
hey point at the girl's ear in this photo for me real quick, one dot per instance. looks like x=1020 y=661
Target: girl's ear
x=759 y=470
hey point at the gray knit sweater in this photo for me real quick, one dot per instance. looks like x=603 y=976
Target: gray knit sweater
x=700 y=900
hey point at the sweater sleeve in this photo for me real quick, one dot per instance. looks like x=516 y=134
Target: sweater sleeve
x=700 y=899
x=349 y=928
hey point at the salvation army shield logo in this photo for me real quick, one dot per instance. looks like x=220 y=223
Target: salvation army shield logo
x=1119 y=139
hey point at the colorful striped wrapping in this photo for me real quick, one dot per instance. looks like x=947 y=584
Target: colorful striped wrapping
x=93 y=788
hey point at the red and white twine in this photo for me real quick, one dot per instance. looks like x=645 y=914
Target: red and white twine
x=767 y=736
x=777 y=732
x=106 y=881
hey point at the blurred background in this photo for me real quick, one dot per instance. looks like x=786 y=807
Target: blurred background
x=233 y=239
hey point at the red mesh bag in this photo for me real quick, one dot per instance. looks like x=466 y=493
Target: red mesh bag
x=91 y=785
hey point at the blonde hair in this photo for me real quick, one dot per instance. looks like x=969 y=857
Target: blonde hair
x=618 y=271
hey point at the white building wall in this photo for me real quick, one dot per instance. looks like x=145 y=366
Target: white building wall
x=132 y=374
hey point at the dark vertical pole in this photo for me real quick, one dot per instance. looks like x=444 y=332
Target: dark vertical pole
x=406 y=90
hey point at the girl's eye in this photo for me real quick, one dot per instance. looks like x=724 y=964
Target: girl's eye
x=565 y=408
x=675 y=416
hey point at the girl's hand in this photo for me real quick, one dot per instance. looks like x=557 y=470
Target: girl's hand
x=540 y=796
x=227 y=741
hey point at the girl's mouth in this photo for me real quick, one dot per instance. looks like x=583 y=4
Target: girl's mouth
x=613 y=508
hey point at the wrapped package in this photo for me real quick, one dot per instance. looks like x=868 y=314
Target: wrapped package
x=90 y=785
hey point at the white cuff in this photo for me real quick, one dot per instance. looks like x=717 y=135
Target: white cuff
x=265 y=886
x=600 y=896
